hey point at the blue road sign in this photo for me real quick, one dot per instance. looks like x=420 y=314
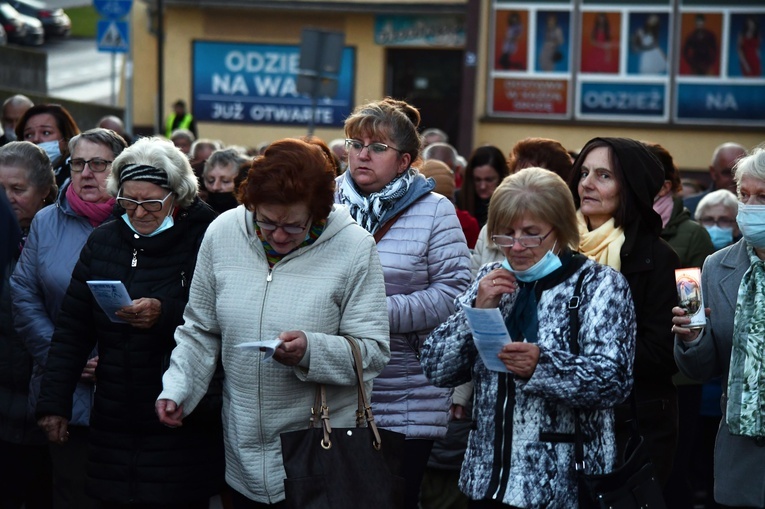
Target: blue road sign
x=113 y=36
x=113 y=9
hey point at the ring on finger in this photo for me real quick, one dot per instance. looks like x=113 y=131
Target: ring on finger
x=493 y=282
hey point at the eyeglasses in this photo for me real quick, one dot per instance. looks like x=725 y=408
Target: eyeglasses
x=290 y=229
x=527 y=241
x=373 y=148
x=148 y=205
x=722 y=222
x=96 y=164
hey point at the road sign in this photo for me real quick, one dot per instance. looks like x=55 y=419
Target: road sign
x=113 y=9
x=113 y=36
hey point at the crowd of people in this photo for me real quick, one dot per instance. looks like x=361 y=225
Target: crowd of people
x=171 y=305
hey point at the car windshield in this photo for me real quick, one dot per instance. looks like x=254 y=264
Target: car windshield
x=8 y=11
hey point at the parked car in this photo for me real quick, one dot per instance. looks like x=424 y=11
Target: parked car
x=35 y=31
x=13 y=23
x=54 y=20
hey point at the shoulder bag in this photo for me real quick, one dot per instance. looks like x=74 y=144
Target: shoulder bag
x=632 y=485
x=343 y=468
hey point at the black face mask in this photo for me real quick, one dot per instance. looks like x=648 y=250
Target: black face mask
x=221 y=202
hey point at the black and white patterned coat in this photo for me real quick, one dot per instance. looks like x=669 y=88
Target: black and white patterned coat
x=521 y=449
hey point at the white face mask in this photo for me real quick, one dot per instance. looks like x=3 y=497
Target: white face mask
x=167 y=223
x=51 y=148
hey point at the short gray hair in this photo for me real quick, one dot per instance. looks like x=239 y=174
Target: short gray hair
x=35 y=162
x=440 y=149
x=160 y=153
x=228 y=157
x=720 y=197
x=101 y=136
x=183 y=133
x=213 y=145
x=751 y=165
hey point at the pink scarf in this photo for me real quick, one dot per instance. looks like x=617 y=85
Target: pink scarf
x=663 y=206
x=95 y=213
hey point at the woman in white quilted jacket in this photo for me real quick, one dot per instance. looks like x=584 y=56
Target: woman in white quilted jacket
x=425 y=261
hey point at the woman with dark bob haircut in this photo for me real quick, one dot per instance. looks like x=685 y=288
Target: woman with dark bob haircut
x=51 y=127
x=285 y=264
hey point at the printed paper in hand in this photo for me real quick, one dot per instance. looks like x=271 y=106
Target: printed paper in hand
x=267 y=346
x=111 y=296
x=489 y=335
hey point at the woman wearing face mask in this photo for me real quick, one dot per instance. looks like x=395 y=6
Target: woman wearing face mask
x=614 y=182
x=525 y=411
x=151 y=248
x=692 y=244
x=731 y=343
x=717 y=213
x=26 y=177
x=39 y=282
x=50 y=126
x=221 y=175
x=690 y=240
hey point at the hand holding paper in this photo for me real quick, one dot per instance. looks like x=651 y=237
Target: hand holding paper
x=267 y=346
x=489 y=335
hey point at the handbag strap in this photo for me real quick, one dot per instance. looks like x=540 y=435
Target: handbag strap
x=365 y=409
x=320 y=409
x=573 y=317
x=379 y=234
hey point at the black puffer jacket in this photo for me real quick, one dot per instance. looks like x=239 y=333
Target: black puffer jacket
x=133 y=458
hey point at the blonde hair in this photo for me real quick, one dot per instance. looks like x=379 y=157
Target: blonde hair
x=390 y=118
x=538 y=193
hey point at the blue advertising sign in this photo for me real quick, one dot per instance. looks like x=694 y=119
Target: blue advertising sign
x=257 y=84
x=623 y=99
x=700 y=101
x=113 y=9
x=113 y=36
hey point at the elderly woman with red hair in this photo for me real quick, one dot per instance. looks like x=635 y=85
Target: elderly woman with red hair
x=285 y=264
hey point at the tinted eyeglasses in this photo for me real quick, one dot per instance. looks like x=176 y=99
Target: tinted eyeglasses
x=96 y=164
x=373 y=148
x=290 y=229
x=526 y=241
x=148 y=205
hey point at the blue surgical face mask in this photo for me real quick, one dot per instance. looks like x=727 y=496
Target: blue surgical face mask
x=721 y=237
x=167 y=223
x=51 y=148
x=546 y=265
x=751 y=222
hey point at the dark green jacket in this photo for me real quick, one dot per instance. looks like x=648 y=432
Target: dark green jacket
x=689 y=239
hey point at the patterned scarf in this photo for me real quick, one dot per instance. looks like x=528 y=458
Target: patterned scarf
x=371 y=211
x=273 y=257
x=604 y=244
x=746 y=379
